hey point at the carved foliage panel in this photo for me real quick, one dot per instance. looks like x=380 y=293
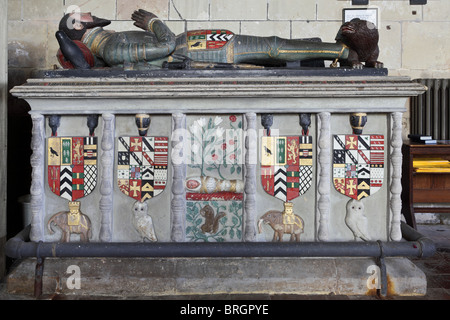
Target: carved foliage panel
x=215 y=182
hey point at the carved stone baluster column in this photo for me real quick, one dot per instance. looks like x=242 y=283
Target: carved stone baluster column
x=107 y=177
x=250 y=177
x=37 y=189
x=324 y=174
x=396 y=175
x=178 y=204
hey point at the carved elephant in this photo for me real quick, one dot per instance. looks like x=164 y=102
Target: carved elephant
x=61 y=219
x=274 y=219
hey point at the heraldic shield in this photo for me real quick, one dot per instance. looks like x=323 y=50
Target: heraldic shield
x=286 y=166
x=358 y=164
x=142 y=166
x=72 y=166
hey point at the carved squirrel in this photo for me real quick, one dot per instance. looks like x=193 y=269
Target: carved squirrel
x=211 y=224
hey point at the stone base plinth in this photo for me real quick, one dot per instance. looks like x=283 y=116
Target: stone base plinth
x=159 y=277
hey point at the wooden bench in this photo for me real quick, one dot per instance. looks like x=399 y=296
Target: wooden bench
x=424 y=187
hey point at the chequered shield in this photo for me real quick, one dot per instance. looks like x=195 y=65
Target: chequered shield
x=286 y=166
x=142 y=166
x=72 y=166
x=358 y=164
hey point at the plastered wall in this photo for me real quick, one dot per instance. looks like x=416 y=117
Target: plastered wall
x=413 y=38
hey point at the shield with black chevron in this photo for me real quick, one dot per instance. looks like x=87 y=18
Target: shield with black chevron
x=72 y=166
x=358 y=164
x=142 y=166
x=286 y=166
x=207 y=39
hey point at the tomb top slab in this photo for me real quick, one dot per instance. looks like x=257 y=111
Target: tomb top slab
x=213 y=73
x=238 y=91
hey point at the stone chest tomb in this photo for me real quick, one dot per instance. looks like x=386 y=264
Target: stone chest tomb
x=233 y=158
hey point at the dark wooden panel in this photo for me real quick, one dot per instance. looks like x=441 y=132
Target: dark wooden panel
x=423 y=187
x=431 y=196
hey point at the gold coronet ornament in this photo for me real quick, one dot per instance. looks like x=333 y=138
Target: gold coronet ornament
x=73 y=216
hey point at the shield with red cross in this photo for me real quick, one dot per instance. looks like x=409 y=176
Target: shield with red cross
x=358 y=164
x=142 y=166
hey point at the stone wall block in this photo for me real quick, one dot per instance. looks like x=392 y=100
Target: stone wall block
x=126 y=7
x=233 y=26
x=100 y=8
x=436 y=10
x=326 y=30
x=189 y=9
x=52 y=45
x=390 y=44
x=331 y=10
x=27 y=43
x=14 y=9
x=267 y=28
x=398 y=10
x=238 y=10
x=425 y=45
x=291 y=10
x=42 y=9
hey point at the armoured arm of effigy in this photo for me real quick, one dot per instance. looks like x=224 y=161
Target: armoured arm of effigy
x=139 y=47
x=150 y=22
x=117 y=48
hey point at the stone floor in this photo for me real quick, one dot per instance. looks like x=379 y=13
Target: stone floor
x=436 y=268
